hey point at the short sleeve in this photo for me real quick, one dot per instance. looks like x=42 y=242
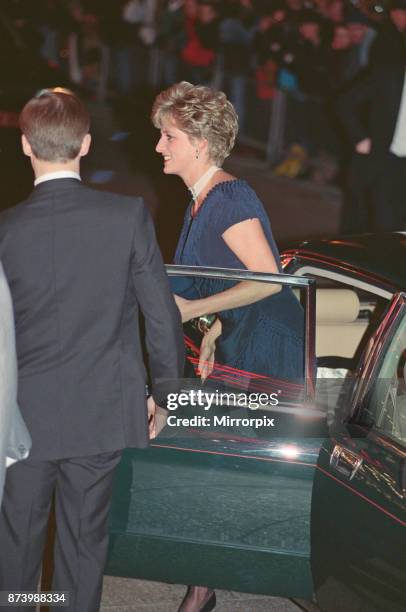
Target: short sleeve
x=236 y=201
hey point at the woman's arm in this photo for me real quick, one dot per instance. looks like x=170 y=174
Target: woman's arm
x=248 y=242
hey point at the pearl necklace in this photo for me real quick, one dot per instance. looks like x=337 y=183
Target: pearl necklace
x=198 y=187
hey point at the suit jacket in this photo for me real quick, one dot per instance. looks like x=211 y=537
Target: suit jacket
x=370 y=108
x=80 y=263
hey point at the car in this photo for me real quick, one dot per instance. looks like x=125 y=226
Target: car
x=313 y=507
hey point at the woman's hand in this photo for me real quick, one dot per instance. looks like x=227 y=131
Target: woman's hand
x=207 y=350
x=206 y=358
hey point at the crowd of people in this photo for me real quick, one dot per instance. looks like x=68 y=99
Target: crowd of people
x=311 y=49
x=305 y=52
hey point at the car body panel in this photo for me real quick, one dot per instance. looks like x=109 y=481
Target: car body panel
x=358 y=504
x=358 y=553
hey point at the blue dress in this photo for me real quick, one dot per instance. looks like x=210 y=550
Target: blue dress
x=265 y=337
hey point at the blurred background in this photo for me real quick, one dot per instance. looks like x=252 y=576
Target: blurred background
x=281 y=62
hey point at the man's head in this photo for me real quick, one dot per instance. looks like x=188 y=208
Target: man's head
x=309 y=24
x=341 y=38
x=206 y=11
x=358 y=24
x=55 y=126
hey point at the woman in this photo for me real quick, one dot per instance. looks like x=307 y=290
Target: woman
x=225 y=226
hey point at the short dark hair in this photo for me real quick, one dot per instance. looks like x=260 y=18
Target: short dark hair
x=54 y=122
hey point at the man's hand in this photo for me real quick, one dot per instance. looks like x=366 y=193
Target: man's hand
x=157 y=417
x=363 y=146
x=151 y=417
x=161 y=417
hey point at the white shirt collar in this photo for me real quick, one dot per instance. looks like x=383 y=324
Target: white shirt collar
x=50 y=176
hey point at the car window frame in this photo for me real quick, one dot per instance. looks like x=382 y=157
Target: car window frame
x=295 y=261
x=330 y=273
x=308 y=286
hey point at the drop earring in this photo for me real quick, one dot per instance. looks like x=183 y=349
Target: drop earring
x=197 y=153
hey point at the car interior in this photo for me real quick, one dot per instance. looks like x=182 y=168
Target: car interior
x=345 y=318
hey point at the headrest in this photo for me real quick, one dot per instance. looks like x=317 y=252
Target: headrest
x=336 y=306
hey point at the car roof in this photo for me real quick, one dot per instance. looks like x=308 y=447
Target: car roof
x=378 y=255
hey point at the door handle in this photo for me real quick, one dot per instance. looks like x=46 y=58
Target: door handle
x=345 y=461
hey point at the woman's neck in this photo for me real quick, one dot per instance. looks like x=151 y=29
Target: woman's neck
x=202 y=182
x=194 y=173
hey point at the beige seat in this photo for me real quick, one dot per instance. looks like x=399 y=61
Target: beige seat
x=338 y=329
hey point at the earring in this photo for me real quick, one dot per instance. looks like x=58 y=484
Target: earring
x=197 y=153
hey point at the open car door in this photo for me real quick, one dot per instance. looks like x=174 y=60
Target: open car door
x=226 y=503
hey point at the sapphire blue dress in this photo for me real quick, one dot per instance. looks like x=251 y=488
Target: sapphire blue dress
x=265 y=337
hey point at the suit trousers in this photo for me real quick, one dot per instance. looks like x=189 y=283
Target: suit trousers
x=83 y=487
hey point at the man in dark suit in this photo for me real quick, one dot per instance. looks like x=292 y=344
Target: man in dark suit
x=373 y=111
x=80 y=264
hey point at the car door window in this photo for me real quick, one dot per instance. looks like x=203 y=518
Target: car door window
x=261 y=359
x=385 y=408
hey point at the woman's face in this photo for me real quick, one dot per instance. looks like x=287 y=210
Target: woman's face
x=178 y=152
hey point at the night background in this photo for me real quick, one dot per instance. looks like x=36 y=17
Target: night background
x=282 y=63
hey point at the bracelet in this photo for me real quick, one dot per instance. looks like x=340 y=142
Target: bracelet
x=204 y=323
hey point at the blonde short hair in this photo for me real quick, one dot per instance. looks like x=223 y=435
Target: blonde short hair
x=200 y=112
